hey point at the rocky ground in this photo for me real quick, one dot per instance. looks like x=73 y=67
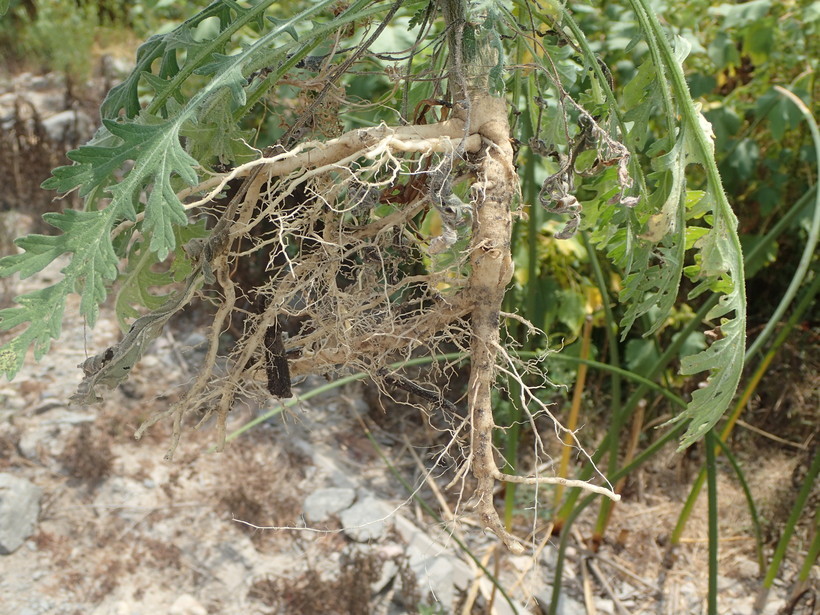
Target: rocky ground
x=302 y=514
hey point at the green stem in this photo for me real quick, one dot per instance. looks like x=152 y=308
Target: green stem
x=804 y=305
x=214 y=45
x=617 y=413
x=711 y=481
x=577 y=510
x=753 y=263
x=669 y=354
x=791 y=523
x=753 y=260
x=724 y=377
x=298 y=399
x=750 y=502
x=814 y=551
x=811 y=244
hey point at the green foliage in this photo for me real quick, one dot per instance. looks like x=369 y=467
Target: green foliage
x=647 y=240
x=93 y=267
x=200 y=79
x=610 y=141
x=140 y=274
x=150 y=139
x=718 y=263
x=763 y=165
x=766 y=163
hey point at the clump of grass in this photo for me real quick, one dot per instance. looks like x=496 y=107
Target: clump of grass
x=347 y=593
x=88 y=456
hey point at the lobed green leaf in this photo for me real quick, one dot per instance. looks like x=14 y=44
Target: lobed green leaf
x=138 y=152
x=719 y=262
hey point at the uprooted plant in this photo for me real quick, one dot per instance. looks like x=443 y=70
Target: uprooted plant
x=368 y=232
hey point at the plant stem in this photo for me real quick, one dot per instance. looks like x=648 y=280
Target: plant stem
x=711 y=474
x=811 y=243
x=575 y=409
x=804 y=305
x=744 y=485
x=577 y=510
x=788 y=530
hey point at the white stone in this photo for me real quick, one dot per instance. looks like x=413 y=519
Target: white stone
x=19 y=509
x=68 y=126
x=367 y=520
x=323 y=503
